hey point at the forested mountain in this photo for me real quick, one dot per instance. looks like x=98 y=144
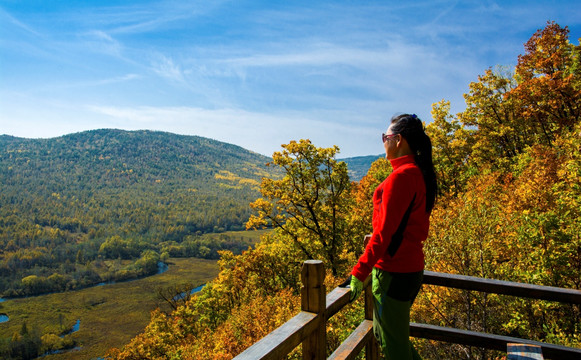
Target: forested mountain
x=70 y=204
x=359 y=166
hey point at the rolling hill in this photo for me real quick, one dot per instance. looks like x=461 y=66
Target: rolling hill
x=68 y=205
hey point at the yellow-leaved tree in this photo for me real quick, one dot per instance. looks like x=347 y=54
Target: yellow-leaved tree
x=310 y=206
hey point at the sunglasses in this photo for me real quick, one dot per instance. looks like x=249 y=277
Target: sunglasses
x=385 y=137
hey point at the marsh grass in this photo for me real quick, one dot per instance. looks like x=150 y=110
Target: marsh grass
x=110 y=315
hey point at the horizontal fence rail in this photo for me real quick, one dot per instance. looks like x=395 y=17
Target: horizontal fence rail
x=491 y=341
x=308 y=327
x=503 y=287
x=283 y=340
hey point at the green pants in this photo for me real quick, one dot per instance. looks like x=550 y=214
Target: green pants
x=393 y=295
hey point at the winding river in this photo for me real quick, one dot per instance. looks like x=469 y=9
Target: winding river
x=161 y=268
x=3 y=317
x=184 y=294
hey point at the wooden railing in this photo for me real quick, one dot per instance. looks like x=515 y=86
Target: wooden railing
x=309 y=326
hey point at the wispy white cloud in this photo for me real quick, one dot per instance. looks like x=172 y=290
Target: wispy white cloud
x=318 y=54
x=165 y=67
x=6 y=18
x=103 y=82
x=101 y=42
x=332 y=75
x=139 y=18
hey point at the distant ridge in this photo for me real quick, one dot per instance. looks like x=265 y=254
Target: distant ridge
x=119 y=170
x=359 y=166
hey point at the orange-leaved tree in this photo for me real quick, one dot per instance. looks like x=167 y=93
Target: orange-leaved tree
x=549 y=80
x=507 y=111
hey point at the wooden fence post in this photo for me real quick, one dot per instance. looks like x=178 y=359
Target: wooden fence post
x=313 y=296
x=372 y=347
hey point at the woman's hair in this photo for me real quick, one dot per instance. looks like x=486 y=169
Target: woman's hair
x=412 y=129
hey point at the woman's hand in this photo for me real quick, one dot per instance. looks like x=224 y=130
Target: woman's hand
x=356 y=286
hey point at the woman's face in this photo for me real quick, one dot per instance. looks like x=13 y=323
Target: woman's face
x=390 y=143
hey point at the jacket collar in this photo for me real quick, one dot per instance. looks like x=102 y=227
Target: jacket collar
x=402 y=160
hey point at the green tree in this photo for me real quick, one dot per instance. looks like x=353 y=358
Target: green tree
x=495 y=129
x=311 y=203
x=115 y=247
x=451 y=149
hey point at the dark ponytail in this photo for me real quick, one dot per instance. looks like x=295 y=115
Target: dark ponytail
x=412 y=129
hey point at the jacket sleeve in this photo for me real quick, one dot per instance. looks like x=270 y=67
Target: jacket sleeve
x=397 y=193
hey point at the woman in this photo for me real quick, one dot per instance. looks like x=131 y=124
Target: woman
x=402 y=204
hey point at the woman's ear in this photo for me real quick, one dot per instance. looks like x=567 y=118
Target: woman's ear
x=402 y=146
x=400 y=140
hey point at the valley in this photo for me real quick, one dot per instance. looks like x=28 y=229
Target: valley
x=110 y=315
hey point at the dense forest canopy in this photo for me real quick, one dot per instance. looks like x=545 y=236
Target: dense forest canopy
x=509 y=208
x=108 y=204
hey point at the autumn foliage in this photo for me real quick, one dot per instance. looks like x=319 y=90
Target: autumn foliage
x=509 y=208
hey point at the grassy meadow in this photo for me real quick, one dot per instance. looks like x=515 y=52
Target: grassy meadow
x=109 y=315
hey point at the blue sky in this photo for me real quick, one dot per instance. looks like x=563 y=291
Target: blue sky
x=253 y=73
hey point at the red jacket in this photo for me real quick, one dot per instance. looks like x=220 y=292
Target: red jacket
x=400 y=222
